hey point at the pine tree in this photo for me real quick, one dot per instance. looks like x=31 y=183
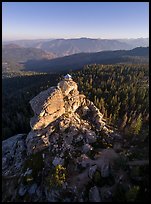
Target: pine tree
x=124 y=121
x=105 y=114
x=101 y=105
x=110 y=119
x=136 y=125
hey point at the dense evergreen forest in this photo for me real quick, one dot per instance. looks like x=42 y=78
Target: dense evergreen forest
x=121 y=92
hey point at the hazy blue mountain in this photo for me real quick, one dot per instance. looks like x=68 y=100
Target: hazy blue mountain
x=65 y=47
x=77 y=61
x=13 y=52
x=143 y=42
x=27 y=43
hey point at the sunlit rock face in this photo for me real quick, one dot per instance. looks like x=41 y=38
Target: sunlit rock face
x=68 y=85
x=61 y=106
x=47 y=107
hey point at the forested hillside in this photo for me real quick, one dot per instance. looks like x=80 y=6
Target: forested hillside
x=138 y=55
x=121 y=92
x=37 y=60
x=14 y=56
x=14 y=53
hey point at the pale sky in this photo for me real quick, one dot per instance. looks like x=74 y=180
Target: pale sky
x=40 y=20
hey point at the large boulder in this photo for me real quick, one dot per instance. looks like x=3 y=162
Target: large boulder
x=36 y=143
x=104 y=162
x=47 y=107
x=41 y=100
x=37 y=123
x=94 y=195
x=68 y=86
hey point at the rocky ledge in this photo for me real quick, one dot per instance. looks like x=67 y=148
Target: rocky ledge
x=67 y=156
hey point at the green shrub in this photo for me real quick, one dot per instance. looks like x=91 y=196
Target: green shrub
x=132 y=194
x=60 y=175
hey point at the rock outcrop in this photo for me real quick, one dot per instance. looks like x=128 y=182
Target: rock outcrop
x=61 y=107
x=66 y=156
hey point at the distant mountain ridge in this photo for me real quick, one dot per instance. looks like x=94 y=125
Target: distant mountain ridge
x=77 y=61
x=65 y=47
x=144 y=42
x=15 y=53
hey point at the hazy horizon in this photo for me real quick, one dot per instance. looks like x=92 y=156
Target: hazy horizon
x=68 y=20
x=7 y=40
